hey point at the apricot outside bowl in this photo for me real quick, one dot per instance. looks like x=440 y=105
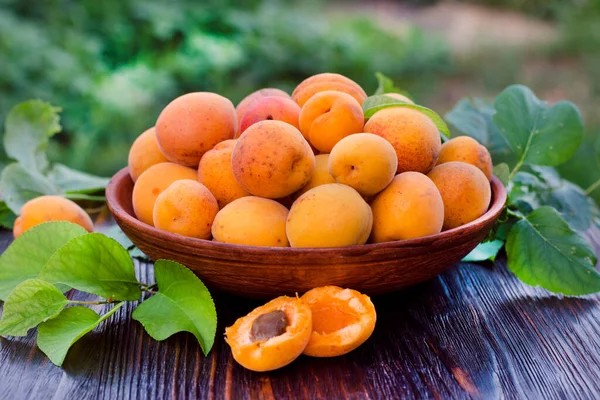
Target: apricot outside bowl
x=267 y=272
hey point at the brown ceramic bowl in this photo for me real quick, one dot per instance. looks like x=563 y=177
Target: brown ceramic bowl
x=266 y=272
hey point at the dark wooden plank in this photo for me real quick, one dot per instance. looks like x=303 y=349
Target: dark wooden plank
x=473 y=332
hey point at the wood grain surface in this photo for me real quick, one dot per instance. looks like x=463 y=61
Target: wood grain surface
x=473 y=332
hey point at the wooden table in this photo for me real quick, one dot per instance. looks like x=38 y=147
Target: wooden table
x=474 y=331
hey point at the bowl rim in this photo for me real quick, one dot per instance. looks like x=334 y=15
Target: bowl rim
x=499 y=196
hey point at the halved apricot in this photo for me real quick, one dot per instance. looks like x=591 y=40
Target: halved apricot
x=343 y=319
x=272 y=335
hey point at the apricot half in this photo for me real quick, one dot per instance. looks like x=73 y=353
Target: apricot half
x=272 y=335
x=144 y=153
x=342 y=320
x=467 y=150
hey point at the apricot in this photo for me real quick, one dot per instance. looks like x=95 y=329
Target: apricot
x=272 y=159
x=151 y=183
x=215 y=172
x=192 y=124
x=271 y=108
x=327 y=81
x=187 y=208
x=467 y=150
x=465 y=191
x=330 y=215
x=413 y=135
x=50 y=208
x=364 y=162
x=271 y=336
x=320 y=176
x=401 y=97
x=410 y=207
x=144 y=153
x=247 y=101
x=251 y=221
x=342 y=320
x=328 y=117
x=325 y=77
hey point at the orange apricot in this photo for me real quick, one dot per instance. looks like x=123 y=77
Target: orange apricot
x=333 y=82
x=192 y=124
x=144 y=153
x=215 y=172
x=187 y=208
x=342 y=320
x=271 y=108
x=271 y=336
x=328 y=117
x=467 y=150
x=151 y=183
x=50 y=208
x=302 y=96
x=321 y=176
x=401 y=97
x=247 y=101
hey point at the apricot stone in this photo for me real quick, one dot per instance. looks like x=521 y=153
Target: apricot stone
x=187 y=208
x=413 y=135
x=363 y=161
x=321 y=176
x=144 y=153
x=329 y=117
x=271 y=108
x=247 y=101
x=467 y=150
x=331 y=215
x=465 y=191
x=151 y=183
x=410 y=207
x=215 y=172
x=251 y=221
x=50 y=208
x=194 y=123
x=272 y=159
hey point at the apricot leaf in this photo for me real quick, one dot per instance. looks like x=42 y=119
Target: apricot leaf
x=484 y=251
x=386 y=85
x=502 y=172
x=7 y=217
x=32 y=302
x=182 y=304
x=543 y=250
x=94 y=263
x=19 y=185
x=72 y=181
x=27 y=255
x=375 y=103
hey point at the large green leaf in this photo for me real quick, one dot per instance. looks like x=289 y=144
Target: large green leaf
x=182 y=304
x=94 y=263
x=28 y=127
x=27 y=255
x=72 y=181
x=31 y=303
x=538 y=133
x=542 y=250
x=19 y=185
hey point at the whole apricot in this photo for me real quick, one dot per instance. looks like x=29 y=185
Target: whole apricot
x=325 y=77
x=321 y=176
x=50 y=208
x=271 y=108
x=272 y=159
x=328 y=117
x=401 y=97
x=342 y=319
x=215 y=172
x=413 y=135
x=410 y=207
x=251 y=221
x=467 y=150
x=247 y=101
x=465 y=191
x=363 y=161
x=187 y=208
x=331 y=215
x=144 y=153
x=192 y=124
x=151 y=183
x=327 y=81
x=271 y=336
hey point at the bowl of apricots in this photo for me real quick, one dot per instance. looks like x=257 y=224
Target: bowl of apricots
x=285 y=193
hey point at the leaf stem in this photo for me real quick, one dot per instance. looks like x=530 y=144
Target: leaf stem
x=592 y=187
x=516 y=169
x=512 y=213
x=112 y=311
x=148 y=288
x=109 y=301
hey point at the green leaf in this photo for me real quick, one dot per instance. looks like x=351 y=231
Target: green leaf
x=542 y=250
x=474 y=118
x=502 y=172
x=386 y=85
x=31 y=303
x=7 y=217
x=484 y=251
x=94 y=263
x=28 y=127
x=375 y=103
x=539 y=134
x=57 y=335
x=182 y=304
x=116 y=233
x=19 y=185
x=72 y=181
x=27 y=255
